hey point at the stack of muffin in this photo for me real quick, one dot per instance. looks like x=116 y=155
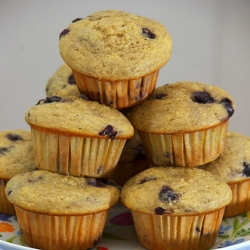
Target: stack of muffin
x=103 y=112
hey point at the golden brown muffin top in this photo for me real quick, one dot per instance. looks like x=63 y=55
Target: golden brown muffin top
x=234 y=162
x=75 y=115
x=16 y=153
x=183 y=107
x=175 y=190
x=62 y=82
x=115 y=45
x=51 y=193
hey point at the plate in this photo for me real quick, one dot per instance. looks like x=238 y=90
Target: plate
x=119 y=233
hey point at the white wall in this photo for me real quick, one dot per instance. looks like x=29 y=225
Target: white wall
x=211 y=44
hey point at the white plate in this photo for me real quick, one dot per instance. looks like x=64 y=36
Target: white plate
x=119 y=233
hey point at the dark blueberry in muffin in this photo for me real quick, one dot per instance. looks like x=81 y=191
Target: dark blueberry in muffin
x=202 y=97
x=109 y=131
x=76 y=19
x=50 y=99
x=3 y=150
x=161 y=210
x=146 y=179
x=14 y=137
x=108 y=182
x=227 y=103
x=94 y=182
x=71 y=80
x=167 y=195
x=246 y=170
x=148 y=34
x=160 y=96
x=64 y=32
x=84 y=97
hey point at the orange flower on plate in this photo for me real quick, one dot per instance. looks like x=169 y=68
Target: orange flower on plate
x=6 y=227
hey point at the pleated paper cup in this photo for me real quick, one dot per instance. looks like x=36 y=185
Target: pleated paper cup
x=189 y=149
x=5 y=206
x=76 y=155
x=172 y=232
x=117 y=94
x=241 y=198
x=67 y=232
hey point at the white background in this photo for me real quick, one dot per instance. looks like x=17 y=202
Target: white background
x=211 y=44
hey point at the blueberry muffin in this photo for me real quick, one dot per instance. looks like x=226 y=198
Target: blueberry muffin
x=75 y=136
x=233 y=166
x=71 y=215
x=16 y=156
x=176 y=206
x=62 y=82
x=184 y=123
x=115 y=56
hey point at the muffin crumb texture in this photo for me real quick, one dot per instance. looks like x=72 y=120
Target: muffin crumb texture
x=170 y=190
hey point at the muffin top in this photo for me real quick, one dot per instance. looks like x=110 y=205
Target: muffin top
x=175 y=190
x=234 y=162
x=115 y=45
x=61 y=82
x=75 y=115
x=183 y=107
x=80 y=195
x=16 y=153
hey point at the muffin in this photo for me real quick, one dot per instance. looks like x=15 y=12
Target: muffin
x=183 y=123
x=176 y=206
x=16 y=156
x=115 y=56
x=132 y=160
x=74 y=136
x=71 y=215
x=62 y=82
x=233 y=166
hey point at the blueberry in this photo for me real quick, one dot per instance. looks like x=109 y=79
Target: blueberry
x=246 y=170
x=50 y=99
x=76 y=20
x=14 y=137
x=146 y=179
x=71 y=80
x=94 y=182
x=168 y=195
x=64 y=32
x=3 y=150
x=161 y=210
x=160 y=95
x=109 y=131
x=147 y=33
x=227 y=103
x=202 y=97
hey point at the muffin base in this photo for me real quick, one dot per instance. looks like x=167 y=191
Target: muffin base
x=172 y=232
x=53 y=232
x=76 y=156
x=185 y=149
x=117 y=94
x=5 y=206
x=240 y=202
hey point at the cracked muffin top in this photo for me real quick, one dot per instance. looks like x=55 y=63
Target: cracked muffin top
x=61 y=82
x=234 y=162
x=80 y=195
x=175 y=190
x=77 y=115
x=115 y=45
x=16 y=153
x=183 y=107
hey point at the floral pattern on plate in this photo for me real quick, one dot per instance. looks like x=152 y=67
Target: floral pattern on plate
x=119 y=231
